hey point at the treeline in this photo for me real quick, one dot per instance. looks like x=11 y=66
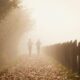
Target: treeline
x=68 y=53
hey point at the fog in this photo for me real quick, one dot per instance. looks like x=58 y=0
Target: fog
x=11 y=30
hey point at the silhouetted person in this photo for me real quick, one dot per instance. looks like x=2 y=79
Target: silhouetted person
x=38 y=46
x=30 y=47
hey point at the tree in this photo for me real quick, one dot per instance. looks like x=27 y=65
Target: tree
x=14 y=22
x=6 y=6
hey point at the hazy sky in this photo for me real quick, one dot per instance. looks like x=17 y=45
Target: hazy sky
x=55 y=20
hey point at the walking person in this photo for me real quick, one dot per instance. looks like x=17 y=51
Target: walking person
x=38 y=46
x=30 y=46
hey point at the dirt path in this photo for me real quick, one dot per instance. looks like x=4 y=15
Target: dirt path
x=38 y=68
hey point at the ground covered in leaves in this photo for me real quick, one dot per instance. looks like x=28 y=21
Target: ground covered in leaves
x=38 y=68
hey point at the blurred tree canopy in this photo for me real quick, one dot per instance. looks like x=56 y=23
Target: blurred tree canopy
x=14 y=22
x=6 y=6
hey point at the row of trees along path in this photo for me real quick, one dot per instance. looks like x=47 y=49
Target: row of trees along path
x=67 y=53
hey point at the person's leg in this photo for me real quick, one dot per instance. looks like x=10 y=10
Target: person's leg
x=38 y=51
x=30 y=52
